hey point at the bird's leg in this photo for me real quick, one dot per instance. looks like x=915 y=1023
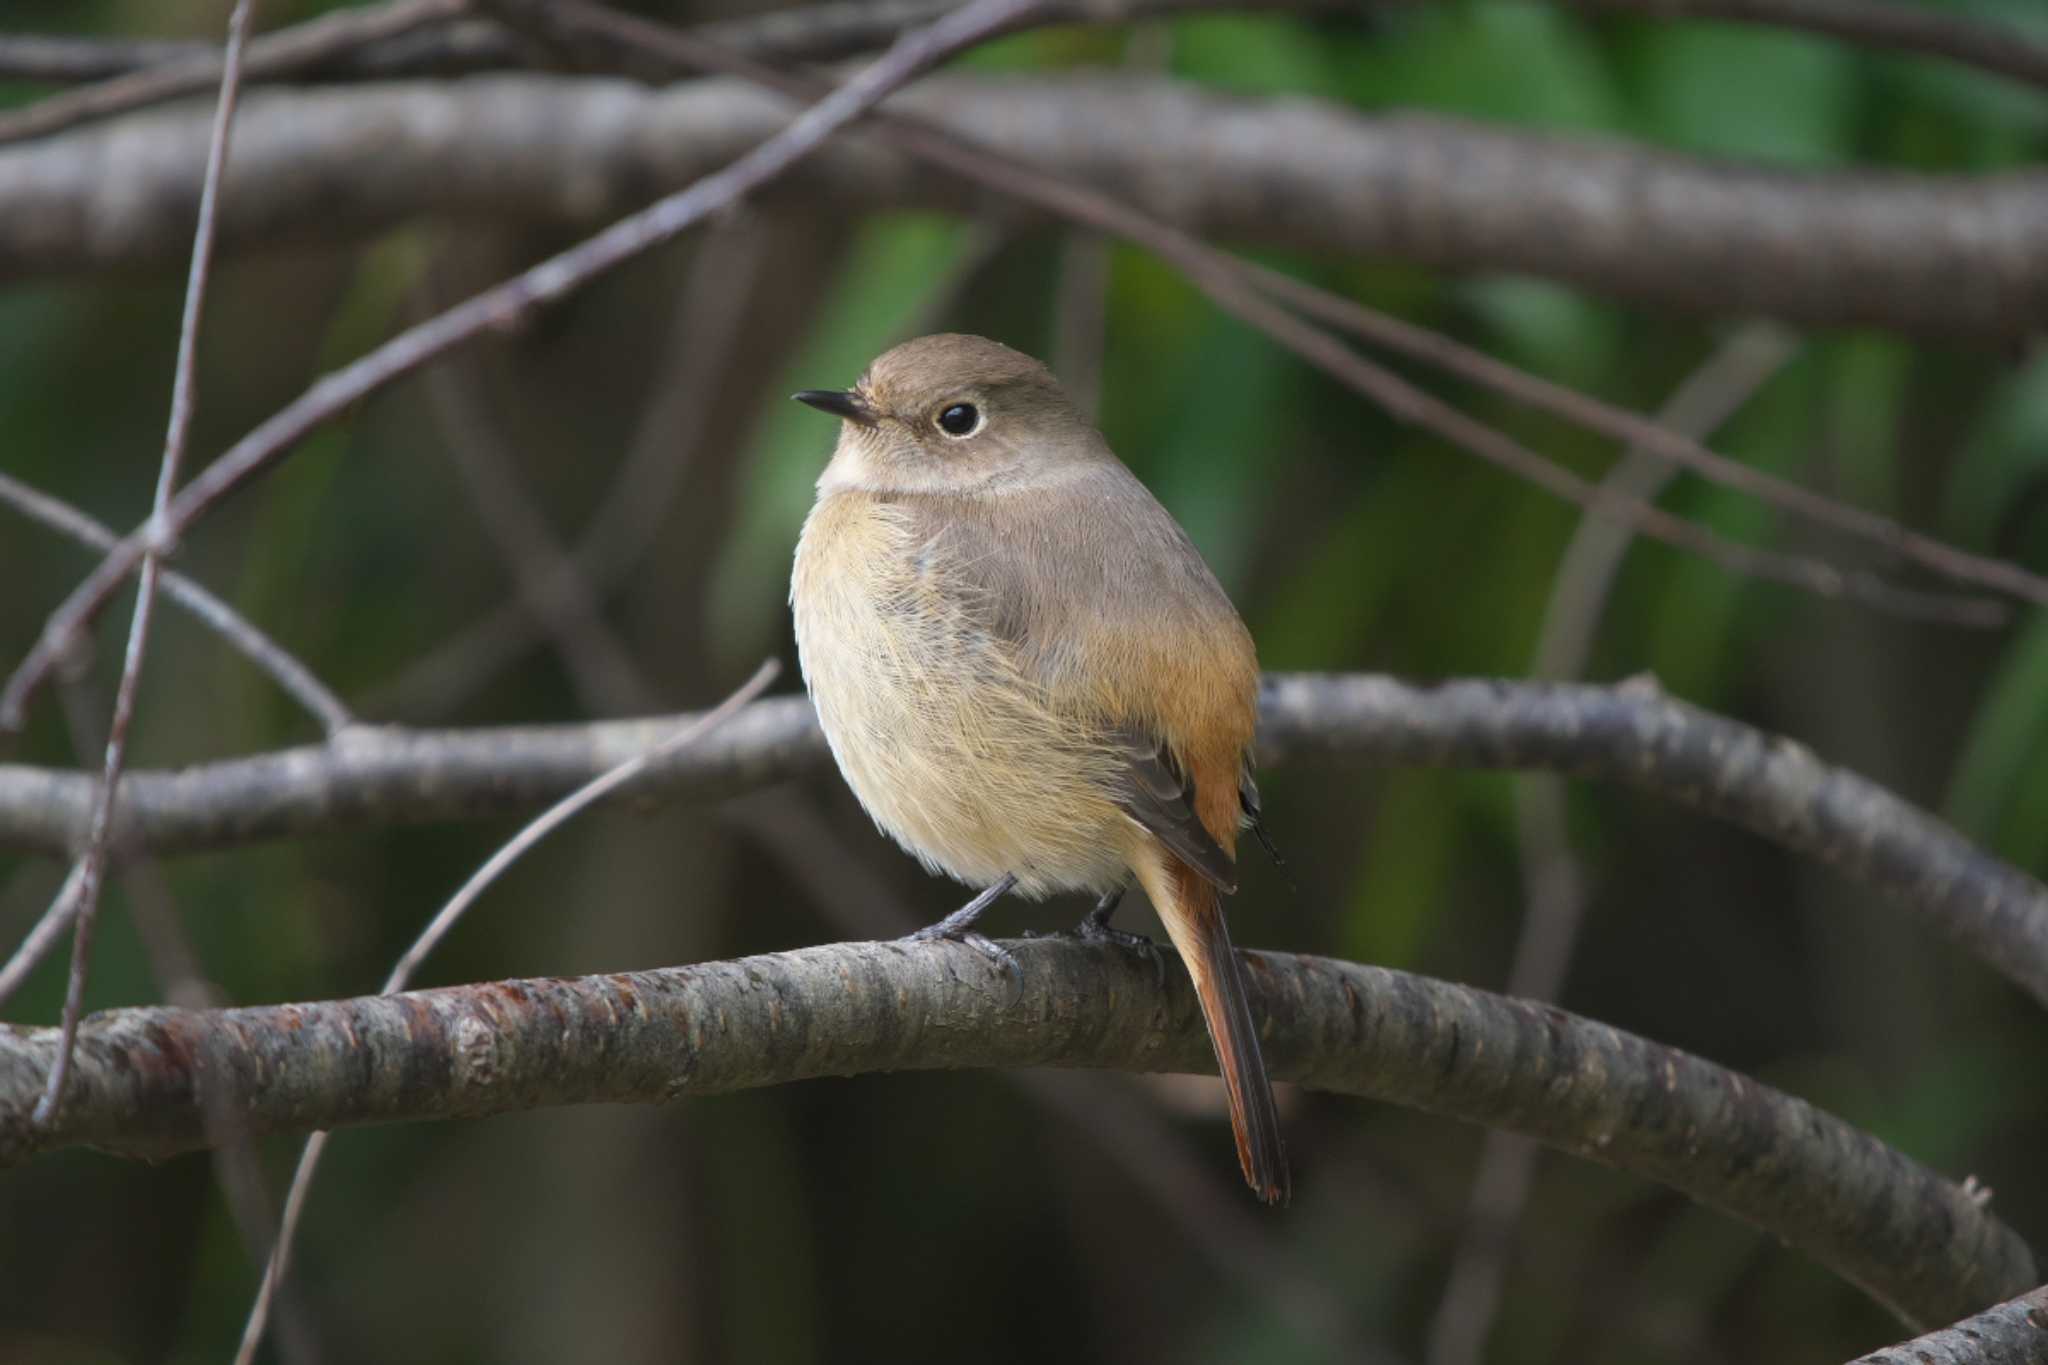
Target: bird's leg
x=1095 y=927
x=958 y=927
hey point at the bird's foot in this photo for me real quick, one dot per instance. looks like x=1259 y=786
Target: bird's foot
x=958 y=927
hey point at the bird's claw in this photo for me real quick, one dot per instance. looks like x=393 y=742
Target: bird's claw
x=1093 y=930
x=1003 y=959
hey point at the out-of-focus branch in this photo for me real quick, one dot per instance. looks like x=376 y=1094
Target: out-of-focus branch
x=828 y=32
x=1921 y=29
x=1630 y=734
x=273 y=55
x=1553 y=885
x=2013 y=1333
x=1920 y=253
x=502 y=305
x=241 y=634
x=1921 y=1245
x=448 y=48
x=158 y=538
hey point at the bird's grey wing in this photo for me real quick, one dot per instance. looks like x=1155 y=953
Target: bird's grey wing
x=1026 y=575
x=1156 y=794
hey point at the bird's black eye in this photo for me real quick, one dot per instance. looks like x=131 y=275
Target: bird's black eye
x=959 y=419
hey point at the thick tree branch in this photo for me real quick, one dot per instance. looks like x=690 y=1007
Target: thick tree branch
x=1630 y=734
x=2013 y=1333
x=1943 y=254
x=1913 y=1240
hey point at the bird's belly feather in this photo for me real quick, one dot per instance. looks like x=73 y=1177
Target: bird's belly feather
x=967 y=764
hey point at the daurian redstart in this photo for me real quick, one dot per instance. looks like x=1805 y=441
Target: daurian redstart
x=1026 y=672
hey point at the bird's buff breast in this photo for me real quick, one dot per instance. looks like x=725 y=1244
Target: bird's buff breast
x=969 y=766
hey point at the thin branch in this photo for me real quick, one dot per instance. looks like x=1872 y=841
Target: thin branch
x=237 y=631
x=444 y=923
x=720 y=286
x=1553 y=886
x=182 y=981
x=1235 y=289
x=830 y=32
x=2013 y=1333
x=1656 y=438
x=600 y=665
x=1919 y=29
x=1632 y=734
x=457 y=47
x=42 y=939
x=1919 y=1244
x=271 y=56
x=156 y=540
x=498 y=307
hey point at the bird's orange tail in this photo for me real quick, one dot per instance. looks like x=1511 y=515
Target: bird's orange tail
x=1193 y=916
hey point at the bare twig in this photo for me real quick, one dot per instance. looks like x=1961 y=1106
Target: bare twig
x=1553 y=888
x=156 y=540
x=455 y=47
x=720 y=287
x=1238 y=291
x=1920 y=29
x=182 y=982
x=271 y=56
x=1656 y=438
x=1922 y=1245
x=501 y=306
x=847 y=28
x=241 y=634
x=546 y=577
x=43 y=938
x=444 y=922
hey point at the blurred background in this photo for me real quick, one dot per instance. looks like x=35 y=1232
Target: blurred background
x=942 y=1216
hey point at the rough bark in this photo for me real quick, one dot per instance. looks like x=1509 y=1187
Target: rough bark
x=1918 y=1243
x=2013 y=1333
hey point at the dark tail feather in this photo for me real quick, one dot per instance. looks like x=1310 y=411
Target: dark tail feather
x=1204 y=943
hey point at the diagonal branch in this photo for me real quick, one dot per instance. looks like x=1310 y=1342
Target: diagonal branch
x=1918 y=1243
x=271 y=56
x=498 y=307
x=241 y=634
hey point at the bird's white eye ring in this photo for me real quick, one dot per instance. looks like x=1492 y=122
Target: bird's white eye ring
x=959 y=419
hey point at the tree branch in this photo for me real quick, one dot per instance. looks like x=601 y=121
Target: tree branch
x=846 y=28
x=1957 y=255
x=1632 y=734
x=2013 y=1333
x=500 y=306
x=1916 y=1242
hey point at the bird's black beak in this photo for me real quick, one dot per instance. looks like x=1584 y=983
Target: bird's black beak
x=840 y=403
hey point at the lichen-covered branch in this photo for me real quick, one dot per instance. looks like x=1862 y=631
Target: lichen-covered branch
x=2013 y=1333
x=1630 y=734
x=1964 y=255
x=1915 y=1241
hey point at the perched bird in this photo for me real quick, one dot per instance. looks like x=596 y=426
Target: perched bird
x=1026 y=672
